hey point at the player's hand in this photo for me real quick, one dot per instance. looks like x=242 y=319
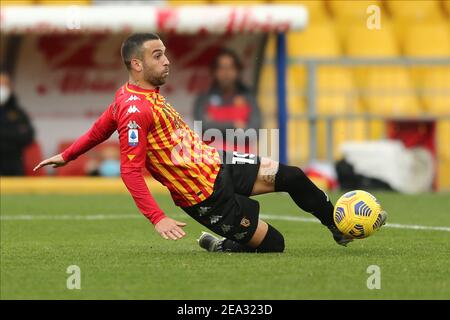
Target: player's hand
x=56 y=161
x=170 y=229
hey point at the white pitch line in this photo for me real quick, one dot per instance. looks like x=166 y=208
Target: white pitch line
x=137 y=216
x=388 y=225
x=71 y=217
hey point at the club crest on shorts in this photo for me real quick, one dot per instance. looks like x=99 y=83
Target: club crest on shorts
x=245 y=222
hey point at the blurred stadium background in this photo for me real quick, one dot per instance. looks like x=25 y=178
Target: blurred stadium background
x=344 y=81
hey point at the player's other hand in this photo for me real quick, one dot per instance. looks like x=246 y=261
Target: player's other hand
x=170 y=229
x=56 y=161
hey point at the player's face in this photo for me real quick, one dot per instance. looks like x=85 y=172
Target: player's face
x=226 y=73
x=156 y=64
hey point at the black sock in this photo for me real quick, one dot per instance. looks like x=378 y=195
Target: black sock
x=233 y=246
x=272 y=242
x=305 y=193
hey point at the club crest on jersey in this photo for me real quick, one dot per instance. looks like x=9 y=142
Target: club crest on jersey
x=132 y=109
x=133 y=98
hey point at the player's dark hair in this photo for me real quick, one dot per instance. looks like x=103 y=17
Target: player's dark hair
x=132 y=46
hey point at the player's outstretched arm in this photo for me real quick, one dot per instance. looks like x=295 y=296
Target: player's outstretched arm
x=55 y=161
x=167 y=227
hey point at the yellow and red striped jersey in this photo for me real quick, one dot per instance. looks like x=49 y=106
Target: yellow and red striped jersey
x=175 y=154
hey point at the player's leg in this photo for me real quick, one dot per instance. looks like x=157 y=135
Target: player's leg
x=235 y=217
x=275 y=177
x=266 y=239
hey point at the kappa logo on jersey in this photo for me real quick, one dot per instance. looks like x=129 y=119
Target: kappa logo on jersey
x=133 y=98
x=132 y=109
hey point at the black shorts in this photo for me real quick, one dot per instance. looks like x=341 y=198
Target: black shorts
x=229 y=211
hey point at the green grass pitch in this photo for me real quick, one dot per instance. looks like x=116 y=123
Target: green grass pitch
x=124 y=258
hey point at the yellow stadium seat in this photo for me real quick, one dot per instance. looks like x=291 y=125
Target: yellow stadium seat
x=267 y=99
x=447 y=6
x=342 y=131
x=435 y=88
x=443 y=175
x=363 y=42
x=336 y=91
x=337 y=96
x=317 y=40
x=443 y=139
x=296 y=78
x=298 y=141
x=427 y=40
x=417 y=10
x=64 y=3
x=316 y=9
x=266 y=89
x=350 y=10
x=389 y=91
x=270 y=50
x=16 y=2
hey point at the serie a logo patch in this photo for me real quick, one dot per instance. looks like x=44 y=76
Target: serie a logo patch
x=133 y=134
x=133 y=137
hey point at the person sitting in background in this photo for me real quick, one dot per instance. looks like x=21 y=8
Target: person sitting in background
x=16 y=131
x=229 y=104
x=105 y=163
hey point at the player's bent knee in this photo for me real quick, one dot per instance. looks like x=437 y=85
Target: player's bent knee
x=273 y=241
x=288 y=177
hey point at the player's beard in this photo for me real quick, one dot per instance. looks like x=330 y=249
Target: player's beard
x=154 y=80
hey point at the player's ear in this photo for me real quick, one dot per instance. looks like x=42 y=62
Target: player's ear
x=136 y=65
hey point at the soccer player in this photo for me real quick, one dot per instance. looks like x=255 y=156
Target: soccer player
x=213 y=187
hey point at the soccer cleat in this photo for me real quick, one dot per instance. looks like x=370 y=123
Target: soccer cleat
x=339 y=237
x=384 y=216
x=209 y=242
